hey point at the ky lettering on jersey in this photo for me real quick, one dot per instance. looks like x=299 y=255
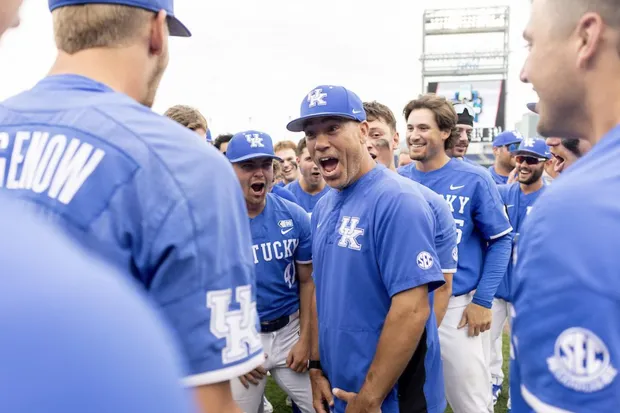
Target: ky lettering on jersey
x=457 y=205
x=43 y=163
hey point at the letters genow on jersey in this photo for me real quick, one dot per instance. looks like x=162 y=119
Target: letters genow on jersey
x=150 y=195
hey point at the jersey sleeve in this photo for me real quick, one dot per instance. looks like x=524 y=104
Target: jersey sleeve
x=445 y=237
x=204 y=276
x=567 y=313
x=405 y=227
x=490 y=214
x=303 y=252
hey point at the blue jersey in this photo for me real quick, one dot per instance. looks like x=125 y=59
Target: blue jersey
x=156 y=199
x=479 y=215
x=363 y=246
x=518 y=205
x=77 y=336
x=499 y=179
x=306 y=200
x=566 y=329
x=282 y=192
x=445 y=229
x=282 y=237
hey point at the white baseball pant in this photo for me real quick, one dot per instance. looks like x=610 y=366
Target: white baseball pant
x=277 y=346
x=465 y=370
x=494 y=356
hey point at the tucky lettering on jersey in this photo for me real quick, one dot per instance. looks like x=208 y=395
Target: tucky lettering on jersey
x=237 y=327
x=316 y=98
x=42 y=163
x=349 y=233
x=278 y=249
x=581 y=361
x=463 y=200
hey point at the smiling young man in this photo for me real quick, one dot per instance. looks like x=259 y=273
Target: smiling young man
x=374 y=317
x=531 y=157
x=566 y=327
x=286 y=150
x=310 y=187
x=282 y=248
x=484 y=245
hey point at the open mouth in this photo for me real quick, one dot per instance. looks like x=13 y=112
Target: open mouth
x=559 y=163
x=417 y=145
x=258 y=188
x=373 y=155
x=328 y=164
x=316 y=173
x=524 y=173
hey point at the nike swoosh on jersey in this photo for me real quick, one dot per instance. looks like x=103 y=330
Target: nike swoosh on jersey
x=454 y=188
x=286 y=231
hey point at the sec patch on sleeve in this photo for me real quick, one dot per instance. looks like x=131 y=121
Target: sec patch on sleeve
x=581 y=361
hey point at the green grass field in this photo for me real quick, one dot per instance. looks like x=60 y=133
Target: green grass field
x=278 y=398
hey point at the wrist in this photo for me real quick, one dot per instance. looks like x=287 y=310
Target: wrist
x=373 y=401
x=482 y=302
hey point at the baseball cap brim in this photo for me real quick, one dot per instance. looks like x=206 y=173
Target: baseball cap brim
x=530 y=153
x=254 y=156
x=176 y=28
x=297 y=125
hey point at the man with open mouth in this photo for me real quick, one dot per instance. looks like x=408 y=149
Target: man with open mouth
x=282 y=249
x=310 y=187
x=531 y=157
x=375 y=265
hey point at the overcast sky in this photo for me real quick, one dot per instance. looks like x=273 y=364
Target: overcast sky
x=250 y=63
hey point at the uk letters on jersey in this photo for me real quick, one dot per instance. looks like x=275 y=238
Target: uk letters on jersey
x=127 y=184
x=281 y=238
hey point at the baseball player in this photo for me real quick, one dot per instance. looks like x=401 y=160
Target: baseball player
x=135 y=186
x=382 y=138
x=374 y=316
x=286 y=150
x=484 y=245
x=518 y=198
x=76 y=335
x=282 y=252
x=503 y=145
x=310 y=187
x=566 y=329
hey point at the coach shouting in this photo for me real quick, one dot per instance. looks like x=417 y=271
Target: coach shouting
x=372 y=301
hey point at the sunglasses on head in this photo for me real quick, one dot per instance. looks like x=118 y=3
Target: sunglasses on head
x=530 y=160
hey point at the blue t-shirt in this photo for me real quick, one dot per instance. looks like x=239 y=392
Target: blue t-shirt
x=77 y=336
x=282 y=192
x=365 y=251
x=479 y=215
x=445 y=229
x=518 y=205
x=282 y=237
x=566 y=329
x=306 y=200
x=139 y=188
x=499 y=179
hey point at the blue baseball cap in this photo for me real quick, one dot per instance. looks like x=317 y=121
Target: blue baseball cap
x=507 y=138
x=249 y=145
x=175 y=27
x=536 y=147
x=326 y=100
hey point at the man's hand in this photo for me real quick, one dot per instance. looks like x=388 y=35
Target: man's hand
x=321 y=392
x=253 y=377
x=512 y=176
x=477 y=318
x=297 y=359
x=355 y=403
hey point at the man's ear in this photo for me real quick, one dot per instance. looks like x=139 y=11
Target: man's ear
x=159 y=33
x=364 y=128
x=395 y=140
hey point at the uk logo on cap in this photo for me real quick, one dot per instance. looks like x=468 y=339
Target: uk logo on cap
x=248 y=145
x=328 y=101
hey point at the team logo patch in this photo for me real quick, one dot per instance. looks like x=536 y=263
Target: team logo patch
x=350 y=233
x=455 y=253
x=285 y=223
x=581 y=361
x=424 y=260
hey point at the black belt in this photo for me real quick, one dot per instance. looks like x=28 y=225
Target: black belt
x=275 y=325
